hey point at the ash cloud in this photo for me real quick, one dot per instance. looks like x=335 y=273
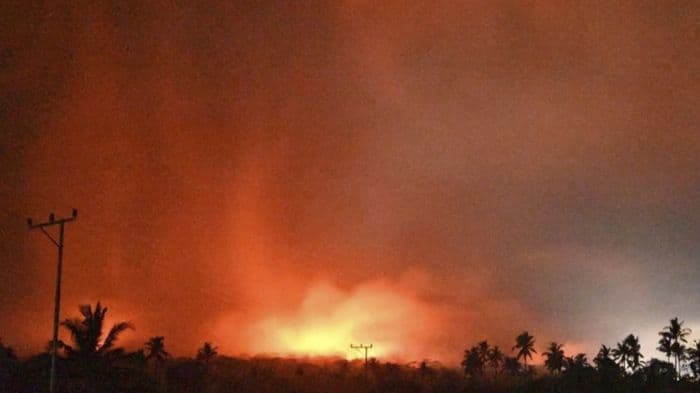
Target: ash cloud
x=527 y=160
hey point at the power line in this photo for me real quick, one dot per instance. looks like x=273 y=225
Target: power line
x=57 y=298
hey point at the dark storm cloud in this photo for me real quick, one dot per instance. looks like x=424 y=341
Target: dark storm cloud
x=531 y=160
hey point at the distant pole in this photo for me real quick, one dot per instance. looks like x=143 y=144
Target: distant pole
x=59 y=267
x=366 y=348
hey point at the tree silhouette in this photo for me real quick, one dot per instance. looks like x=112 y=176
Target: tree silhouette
x=483 y=348
x=665 y=345
x=91 y=353
x=694 y=359
x=604 y=358
x=606 y=366
x=634 y=354
x=578 y=362
x=155 y=346
x=511 y=365
x=525 y=344
x=473 y=363
x=675 y=334
x=495 y=359
x=604 y=354
x=576 y=367
x=138 y=357
x=206 y=353
x=659 y=375
x=86 y=334
x=555 y=357
x=621 y=353
x=425 y=367
x=157 y=355
x=9 y=365
x=6 y=352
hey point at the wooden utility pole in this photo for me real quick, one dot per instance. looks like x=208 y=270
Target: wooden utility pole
x=57 y=297
x=361 y=347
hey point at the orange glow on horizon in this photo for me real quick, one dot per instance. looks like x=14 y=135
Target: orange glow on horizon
x=330 y=319
x=318 y=338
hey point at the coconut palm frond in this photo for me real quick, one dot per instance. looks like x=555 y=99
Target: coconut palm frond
x=113 y=334
x=86 y=333
x=86 y=310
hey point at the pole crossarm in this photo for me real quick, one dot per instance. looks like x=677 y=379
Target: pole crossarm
x=49 y=223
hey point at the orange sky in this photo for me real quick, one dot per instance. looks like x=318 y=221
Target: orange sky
x=418 y=177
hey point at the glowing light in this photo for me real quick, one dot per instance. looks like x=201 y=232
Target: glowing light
x=318 y=339
x=329 y=320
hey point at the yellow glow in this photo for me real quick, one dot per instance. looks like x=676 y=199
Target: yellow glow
x=318 y=339
x=329 y=320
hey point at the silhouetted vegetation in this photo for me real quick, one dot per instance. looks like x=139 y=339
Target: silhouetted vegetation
x=207 y=353
x=525 y=344
x=555 y=358
x=9 y=366
x=672 y=343
x=91 y=362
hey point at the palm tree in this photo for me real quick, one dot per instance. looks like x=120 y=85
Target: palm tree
x=679 y=353
x=555 y=357
x=472 y=363
x=677 y=331
x=576 y=366
x=676 y=335
x=525 y=344
x=621 y=354
x=155 y=346
x=483 y=349
x=580 y=361
x=156 y=349
x=694 y=359
x=138 y=357
x=206 y=353
x=495 y=359
x=634 y=354
x=86 y=334
x=604 y=357
x=511 y=365
x=605 y=364
x=665 y=345
x=603 y=353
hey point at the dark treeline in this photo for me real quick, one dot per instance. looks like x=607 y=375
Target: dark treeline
x=620 y=368
x=91 y=362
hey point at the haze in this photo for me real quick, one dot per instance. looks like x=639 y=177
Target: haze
x=419 y=177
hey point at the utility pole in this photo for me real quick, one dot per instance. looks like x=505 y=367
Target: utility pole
x=57 y=306
x=366 y=348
